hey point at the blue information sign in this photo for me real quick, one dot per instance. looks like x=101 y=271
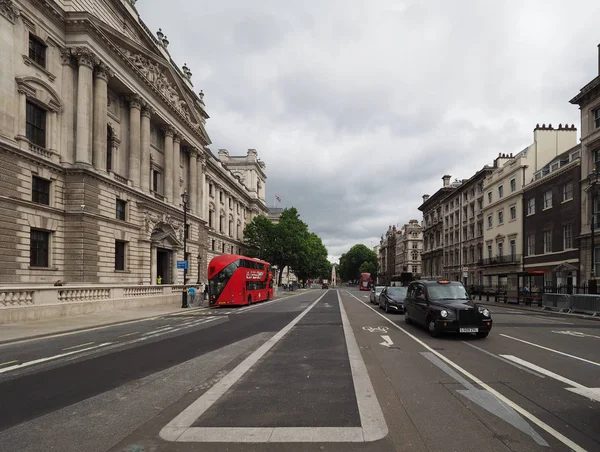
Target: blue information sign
x=182 y=264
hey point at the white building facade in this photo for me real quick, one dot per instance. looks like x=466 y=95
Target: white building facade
x=409 y=247
x=503 y=194
x=100 y=136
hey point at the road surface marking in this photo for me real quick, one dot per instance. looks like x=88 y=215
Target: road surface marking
x=378 y=329
x=552 y=350
x=372 y=420
x=577 y=388
x=162 y=330
x=555 y=433
x=129 y=334
x=504 y=359
x=49 y=358
x=576 y=334
x=78 y=346
x=540 y=318
x=488 y=401
x=8 y=362
x=387 y=341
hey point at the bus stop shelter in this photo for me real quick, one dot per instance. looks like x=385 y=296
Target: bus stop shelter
x=522 y=287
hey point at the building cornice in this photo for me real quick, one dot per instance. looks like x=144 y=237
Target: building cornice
x=588 y=92
x=442 y=193
x=553 y=175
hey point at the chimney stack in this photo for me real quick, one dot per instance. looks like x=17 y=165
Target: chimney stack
x=425 y=198
x=446 y=180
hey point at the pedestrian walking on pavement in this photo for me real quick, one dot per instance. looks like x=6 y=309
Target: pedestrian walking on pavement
x=191 y=296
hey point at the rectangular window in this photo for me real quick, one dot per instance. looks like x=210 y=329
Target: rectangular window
x=548 y=199
x=40 y=190
x=489 y=197
x=568 y=191
x=489 y=250
x=501 y=217
x=156 y=182
x=530 y=206
x=513 y=249
x=531 y=245
x=223 y=247
x=109 y=146
x=480 y=205
x=500 y=191
x=513 y=212
x=548 y=241
x=231 y=203
x=211 y=220
x=121 y=208
x=221 y=197
x=187 y=231
x=120 y=246
x=37 y=50
x=213 y=245
x=39 y=248
x=597 y=118
x=513 y=185
x=220 y=224
x=490 y=221
x=501 y=249
x=210 y=189
x=568 y=236
x=35 y=124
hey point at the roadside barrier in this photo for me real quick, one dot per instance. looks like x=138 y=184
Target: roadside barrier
x=580 y=303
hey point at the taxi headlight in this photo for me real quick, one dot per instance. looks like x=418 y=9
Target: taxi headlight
x=484 y=311
x=444 y=313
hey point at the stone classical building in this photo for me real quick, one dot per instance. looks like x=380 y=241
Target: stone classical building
x=100 y=135
x=588 y=100
x=387 y=259
x=409 y=247
x=503 y=194
x=433 y=230
x=463 y=229
x=552 y=222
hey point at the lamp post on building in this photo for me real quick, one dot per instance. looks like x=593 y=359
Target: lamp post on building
x=198 y=282
x=184 y=198
x=593 y=179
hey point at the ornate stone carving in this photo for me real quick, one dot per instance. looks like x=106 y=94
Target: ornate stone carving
x=157 y=77
x=169 y=131
x=9 y=10
x=176 y=137
x=147 y=110
x=134 y=101
x=103 y=71
x=66 y=55
x=152 y=220
x=85 y=57
x=193 y=152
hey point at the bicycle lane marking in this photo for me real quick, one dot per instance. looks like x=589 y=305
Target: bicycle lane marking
x=548 y=429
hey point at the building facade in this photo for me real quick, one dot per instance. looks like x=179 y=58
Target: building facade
x=387 y=259
x=503 y=194
x=100 y=136
x=463 y=229
x=433 y=231
x=588 y=100
x=552 y=222
x=409 y=247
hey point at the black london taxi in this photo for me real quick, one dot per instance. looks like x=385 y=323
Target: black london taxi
x=445 y=307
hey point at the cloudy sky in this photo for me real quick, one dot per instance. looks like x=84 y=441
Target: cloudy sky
x=359 y=107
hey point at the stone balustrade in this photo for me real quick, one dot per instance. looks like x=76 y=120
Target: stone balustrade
x=45 y=295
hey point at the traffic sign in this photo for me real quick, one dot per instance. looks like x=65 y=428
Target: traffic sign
x=182 y=264
x=465 y=269
x=465 y=274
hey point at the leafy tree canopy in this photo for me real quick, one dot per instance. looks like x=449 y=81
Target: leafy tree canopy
x=358 y=259
x=288 y=243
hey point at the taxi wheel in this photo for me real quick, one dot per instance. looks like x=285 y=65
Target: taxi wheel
x=432 y=328
x=407 y=319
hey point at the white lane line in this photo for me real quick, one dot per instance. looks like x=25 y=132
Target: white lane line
x=78 y=346
x=161 y=330
x=49 y=358
x=504 y=359
x=555 y=433
x=540 y=318
x=551 y=350
x=577 y=388
x=179 y=429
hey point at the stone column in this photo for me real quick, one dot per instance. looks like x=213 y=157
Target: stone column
x=201 y=201
x=102 y=74
x=168 y=176
x=22 y=122
x=153 y=264
x=66 y=120
x=194 y=180
x=176 y=169
x=147 y=112
x=135 y=106
x=86 y=61
x=174 y=267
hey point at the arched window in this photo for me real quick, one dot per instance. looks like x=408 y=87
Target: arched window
x=109 y=148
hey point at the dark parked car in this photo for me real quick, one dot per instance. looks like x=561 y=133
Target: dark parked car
x=392 y=299
x=445 y=306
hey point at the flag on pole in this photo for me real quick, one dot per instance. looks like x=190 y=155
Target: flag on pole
x=277 y=198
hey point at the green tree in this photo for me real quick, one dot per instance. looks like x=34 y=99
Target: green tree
x=369 y=267
x=259 y=236
x=351 y=262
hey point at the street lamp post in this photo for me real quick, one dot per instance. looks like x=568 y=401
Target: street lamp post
x=184 y=198
x=593 y=178
x=199 y=265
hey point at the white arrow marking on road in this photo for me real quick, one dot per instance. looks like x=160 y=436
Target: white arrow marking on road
x=327 y=305
x=576 y=334
x=591 y=393
x=387 y=341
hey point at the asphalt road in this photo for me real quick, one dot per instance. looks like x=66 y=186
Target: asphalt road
x=319 y=370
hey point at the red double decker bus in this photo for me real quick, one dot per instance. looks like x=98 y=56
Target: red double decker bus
x=365 y=281
x=238 y=280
